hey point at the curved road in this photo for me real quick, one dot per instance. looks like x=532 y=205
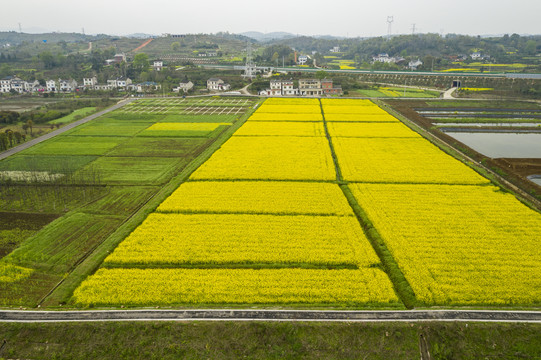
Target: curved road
x=63 y=129
x=270 y=315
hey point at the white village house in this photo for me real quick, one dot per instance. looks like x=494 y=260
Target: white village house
x=184 y=86
x=280 y=88
x=215 y=84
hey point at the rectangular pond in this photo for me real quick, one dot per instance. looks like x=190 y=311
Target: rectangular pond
x=501 y=144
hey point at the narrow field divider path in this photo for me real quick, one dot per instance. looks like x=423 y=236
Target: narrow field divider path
x=271 y=315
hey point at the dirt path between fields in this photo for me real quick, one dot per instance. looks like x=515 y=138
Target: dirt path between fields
x=142 y=45
x=270 y=315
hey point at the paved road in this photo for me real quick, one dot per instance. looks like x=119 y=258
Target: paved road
x=387 y=72
x=448 y=94
x=63 y=129
x=270 y=315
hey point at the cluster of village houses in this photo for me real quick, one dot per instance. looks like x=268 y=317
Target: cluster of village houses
x=307 y=87
x=14 y=83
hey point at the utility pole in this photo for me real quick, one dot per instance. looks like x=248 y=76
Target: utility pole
x=249 y=68
x=390 y=20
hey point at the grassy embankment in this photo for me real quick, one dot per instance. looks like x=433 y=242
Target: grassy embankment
x=270 y=340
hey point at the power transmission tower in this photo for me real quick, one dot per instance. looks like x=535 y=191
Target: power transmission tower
x=390 y=20
x=413 y=29
x=20 y=28
x=249 y=68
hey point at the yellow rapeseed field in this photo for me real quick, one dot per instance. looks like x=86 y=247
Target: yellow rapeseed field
x=360 y=110
x=10 y=273
x=291 y=101
x=257 y=116
x=235 y=286
x=347 y=102
x=289 y=109
x=459 y=244
x=406 y=160
x=210 y=239
x=278 y=128
x=270 y=158
x=396 y=130
x=360 y=118
x=257 y=197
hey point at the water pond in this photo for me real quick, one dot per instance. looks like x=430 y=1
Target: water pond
x=501 y=144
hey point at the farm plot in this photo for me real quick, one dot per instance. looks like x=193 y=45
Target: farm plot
x=290 y=109
x=275 y=128
x=135 y=170
x=206 y=106
x=74 y=145
x=257 y=197
x=199 y=118
x=109 y=128
x=352 y=109
x=291 y=101
x=459 y=245
x=261 y=116
x=186 y=148
x=270 y=158
x=400 y=160
x=339 y=117
x=371 y=130
x=240 y=239
x=178 y=129
x=236 y=286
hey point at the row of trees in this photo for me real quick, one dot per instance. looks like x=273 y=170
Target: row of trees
x=9 y=138
x=507 y=48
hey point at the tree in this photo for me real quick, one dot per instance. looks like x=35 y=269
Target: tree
x=18 y=136
x=48 y=59
x=321 y=74
x=3 y=141
x=140 y=62
x=531 y=47
x=30 y=123
x=9 y=134
x=175 y=46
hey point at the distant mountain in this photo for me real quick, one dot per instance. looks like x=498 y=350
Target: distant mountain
x=276 y=36
x=140 y=36
x=259 y=36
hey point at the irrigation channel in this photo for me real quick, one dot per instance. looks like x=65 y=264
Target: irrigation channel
x=271 y=315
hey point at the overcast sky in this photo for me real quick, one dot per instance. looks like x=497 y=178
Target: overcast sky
x=309 y=17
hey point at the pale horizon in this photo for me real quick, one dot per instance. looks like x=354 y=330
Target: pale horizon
x=346 y=19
